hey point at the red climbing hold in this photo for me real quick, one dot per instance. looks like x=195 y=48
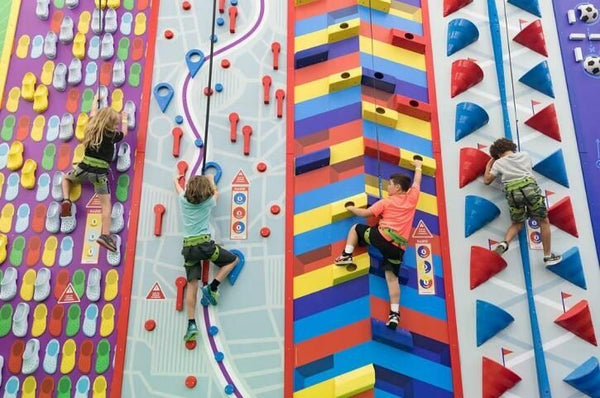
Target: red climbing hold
x=208 y=91
x=451 y=6
x=275 y=209
x=279 y=96
x=233 y=12
x=561 y=215
x=186 y=5
x=247 y=132
x=225 y=63
x=190 y=382
x=532 y=37
x=472 y=164
x=578 y=321
x=177 y=134
x=150 y=325
x=261 y=167
x=465 y=74
x=169 y=34
x=234 y=118
x=484 y=264
x=546 y=122
x=159 y=211
x=265 y=232
x=190 y=345
x=275 y=49
x=496 y=379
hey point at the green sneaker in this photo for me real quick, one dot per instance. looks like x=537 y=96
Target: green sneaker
x=211 y=296
x=192 y=332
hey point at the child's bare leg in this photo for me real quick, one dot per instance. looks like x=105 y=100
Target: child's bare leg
x=512 y=231
x=66 y=188
x=393 y=289
x=106 y=210
x=191 y=293
x=546 y=235
x=352 y=239
x=225 y=270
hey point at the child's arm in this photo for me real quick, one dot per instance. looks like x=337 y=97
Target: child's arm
x=418 y=163
x=178 y=188
x=124 y=128
x=95 y=105
x=359 y=211
x=211 y=178
x=488 y=177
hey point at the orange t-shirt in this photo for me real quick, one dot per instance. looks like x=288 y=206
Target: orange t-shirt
x=398 y=211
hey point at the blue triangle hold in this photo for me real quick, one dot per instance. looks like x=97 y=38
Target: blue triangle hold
x=478 y=212
x=469 y=117
x=570 y=268
x=531 y=6
x=461 y=33
x=553 y=167
x=490 y=320
x=235 y=272
x=586 y=378
x=539 y=79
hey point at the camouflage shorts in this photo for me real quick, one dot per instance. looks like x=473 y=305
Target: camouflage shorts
x=526 y=202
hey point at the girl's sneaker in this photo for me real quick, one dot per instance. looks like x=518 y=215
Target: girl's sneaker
x=393 y=320
x=501 y=247
x=552 y=259
x=108 y=242
x=343 y=259
x=210 y=295
x=192 y=332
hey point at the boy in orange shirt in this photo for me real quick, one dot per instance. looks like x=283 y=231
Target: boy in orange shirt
x=391 y=234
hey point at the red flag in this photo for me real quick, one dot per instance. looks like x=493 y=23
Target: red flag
x=492 y=242
x=565 y=295
x=506 y=351
x=481 y=146
x=534 y=102
x=548 y=193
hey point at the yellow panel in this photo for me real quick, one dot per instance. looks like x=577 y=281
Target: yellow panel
x=414 y=126
x=379 y=114
x=381 y=5
x=345 y=79
x=310 y=40
x=313 y=281
x=429 y=165
x=312 y=219
x=343 y=274
x=9 y=38
x=338 y=208
x=343 y=30
x=325 y=389
x=302 y=2
x=346 y=150
x=310 y=90
x=395 y=54
x=406 y=11
x=354 y=382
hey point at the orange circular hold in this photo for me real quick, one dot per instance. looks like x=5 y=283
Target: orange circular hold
x=225 y=63
x=190 y=345
x=169 y=34
x=261 y=166
x=207 y=91
x=186 y=5
x=275 y=209
x=265 y=232
x=150 y=325
x=190 y=381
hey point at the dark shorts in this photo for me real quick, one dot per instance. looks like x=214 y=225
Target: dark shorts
x=99 y=181
x=392 y=254
x=195 y=255
x=526 y=202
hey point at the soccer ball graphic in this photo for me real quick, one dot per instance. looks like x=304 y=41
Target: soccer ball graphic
x=588 y=13
x=591 y=64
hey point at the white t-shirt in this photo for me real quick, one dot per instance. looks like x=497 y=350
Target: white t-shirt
x=513 y=167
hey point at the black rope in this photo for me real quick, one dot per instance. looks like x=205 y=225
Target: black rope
x=99 y=34
x=210 y=90
x=512 y=81
x=375 y=100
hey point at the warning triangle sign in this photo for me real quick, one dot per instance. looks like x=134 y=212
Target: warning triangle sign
x=240 y=179
x=94 y=203
x=156 y=293
x=422 y=232
x=69 y=295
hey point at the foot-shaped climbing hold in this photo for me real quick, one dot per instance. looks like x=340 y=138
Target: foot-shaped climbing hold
x=20 y=324
x=27 y=285
x=65 y=34
x=40 y=99
x=92 y=291
x=42 y=285
x=31 y=357
x=40 y=314
x=28 y=174
x=79 y=46
x=28 y=86
x=90 y=320
x=49 y=254
x=15 y=155
x=50 y=361
x=107 y=321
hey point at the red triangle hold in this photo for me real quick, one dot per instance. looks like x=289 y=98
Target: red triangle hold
x=532 y=37
x=578 y=321
x=451 y=6
x=465 y=74
x=561 y=215
x=496 y=379
x=484 y=264
x=545 y=122
x=472 y=165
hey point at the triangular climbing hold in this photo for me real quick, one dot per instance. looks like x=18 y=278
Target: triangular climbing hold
x=490 y=320
x=532 y=37
x=469 y=117
x=586 y=377
x=546 y=122
x=554 y=168
x=531 y=6
x=472 y=165
x=570 y=268
x=465 y=74
x=478 y=212
x=578 y=320
x=461 y=33
x=484 y=264
x=496 y=379
x=451 y=6
x=538 y=78
x=561 y=215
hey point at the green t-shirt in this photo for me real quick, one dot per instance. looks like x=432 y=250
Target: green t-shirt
x=196 y=216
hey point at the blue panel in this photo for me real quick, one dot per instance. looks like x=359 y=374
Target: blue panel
x=390 y=21
x=329 y=193
x=335 y=100
x=324 y=235
x=312 y=161
x=311 y=56
x=398 y=138
x=331 y=297
x=321 y=21
x=399 y=71
x=314 y=367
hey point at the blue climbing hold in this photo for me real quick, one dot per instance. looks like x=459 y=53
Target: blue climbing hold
x=469 y=117
x=539 y=79
x=586 y=378
x=220 y=21
x=198 y=142
x=219 y=356
x=570 y=268
x=218 y=87
x=531 y=6
x=217 y=168
x=490 y=320
x=234 y=2
x=554 y=168
x=461 y=33
x=399 y=338
x=163 y=94
x=179 y=119
x=233 y=275
x=229 y=389
x=214 y=38
x=478 y=212
x=213 y=330
x=194 y=60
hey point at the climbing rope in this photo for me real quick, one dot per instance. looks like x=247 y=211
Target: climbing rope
x=208 y=97
x=512 y=80
x=99 y=35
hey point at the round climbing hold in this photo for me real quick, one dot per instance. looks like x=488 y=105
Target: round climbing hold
x=265 y=232
x=218 y=87
x=261 y=166
x=178 y=119
x=234 y=2
x=220 y=21
x=190 y=382
x=190 y=345
x=207 y=91
x=214 y=38
x=213 y=330
x=219 y=356
x=225 y=63
x=198 y=142
x=229 y=389
x=169 y=34
x=275 y=209
x=186 y=5
x=150 y=325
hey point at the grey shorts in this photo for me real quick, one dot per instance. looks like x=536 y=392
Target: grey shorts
x=99 y=181
x=195 y=255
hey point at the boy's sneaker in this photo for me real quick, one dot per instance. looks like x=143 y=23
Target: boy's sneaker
x=192 y=332
x=501 y=247
x=108 y=242
x=393 y=320
x=552 y=259
x=343 y=259
x=210 y=295
x=65 y=208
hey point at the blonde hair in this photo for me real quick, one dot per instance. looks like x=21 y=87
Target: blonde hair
x=198 y=189
x=107 y=119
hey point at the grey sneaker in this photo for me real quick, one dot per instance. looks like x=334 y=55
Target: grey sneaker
x=344 y=259
x=75 y=74
x=50 y=45
x=110 y=21
x=501 y=247
x=118 y=77
x=42 y=9
x=552 y=259
x=393 y=320
x=59 y=80
x=107 y=47
x=66 y=30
